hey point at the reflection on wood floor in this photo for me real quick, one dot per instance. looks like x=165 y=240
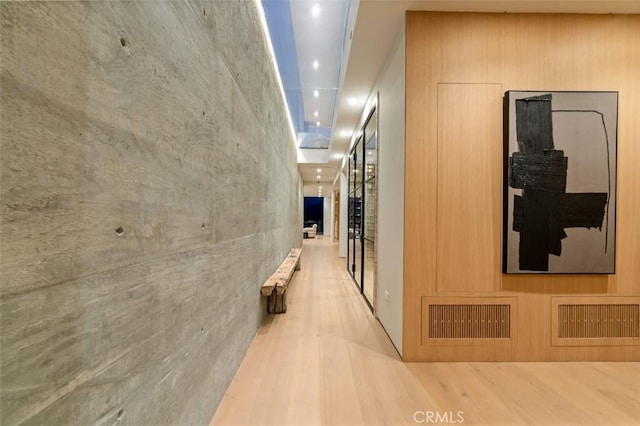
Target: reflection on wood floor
x=327 y=361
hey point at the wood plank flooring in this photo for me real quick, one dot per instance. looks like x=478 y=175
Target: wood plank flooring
x=328 y=361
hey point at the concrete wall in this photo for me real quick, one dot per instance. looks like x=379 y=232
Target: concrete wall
x=149 y=186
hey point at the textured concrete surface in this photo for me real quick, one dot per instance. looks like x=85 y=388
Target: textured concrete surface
x=149 y=186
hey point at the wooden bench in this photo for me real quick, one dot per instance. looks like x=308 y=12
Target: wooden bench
x=275 y=286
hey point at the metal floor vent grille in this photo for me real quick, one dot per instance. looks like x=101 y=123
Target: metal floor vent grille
x=598 y=321
x=469 y=321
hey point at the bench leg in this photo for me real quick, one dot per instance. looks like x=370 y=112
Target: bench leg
x=277 y=304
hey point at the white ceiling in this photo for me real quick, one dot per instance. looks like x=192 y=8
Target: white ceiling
x=377 y=27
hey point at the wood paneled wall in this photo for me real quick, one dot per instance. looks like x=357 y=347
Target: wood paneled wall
x=458 y=66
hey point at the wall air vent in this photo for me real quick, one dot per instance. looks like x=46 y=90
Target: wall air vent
x=469 y=321
x=598 y=321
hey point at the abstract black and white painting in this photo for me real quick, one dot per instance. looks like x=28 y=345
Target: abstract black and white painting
x=560 y=182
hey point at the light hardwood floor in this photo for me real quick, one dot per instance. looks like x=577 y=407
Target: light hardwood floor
x=328 y=361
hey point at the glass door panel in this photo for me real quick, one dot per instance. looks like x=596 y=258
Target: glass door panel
x=369 y=270
x=369 y=239
x=369 y=208
x=362 y=209
x=354 y=257
x=357 y=236
x=351 y=239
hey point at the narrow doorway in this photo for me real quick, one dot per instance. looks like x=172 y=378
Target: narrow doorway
x=314 y=213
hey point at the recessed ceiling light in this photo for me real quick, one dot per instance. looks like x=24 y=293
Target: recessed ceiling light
x=315 y=93
x=315 y=65
x=352 y=101
x=319 y=187
x=315 y=10
x=315 y=114
x=318 y=177
x=318 y=123
x=345 y=133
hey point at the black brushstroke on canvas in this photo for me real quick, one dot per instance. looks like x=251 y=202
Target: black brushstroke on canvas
x=582 y=210
x=544 y=209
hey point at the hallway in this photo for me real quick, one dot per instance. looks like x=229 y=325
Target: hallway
x=328 y=361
